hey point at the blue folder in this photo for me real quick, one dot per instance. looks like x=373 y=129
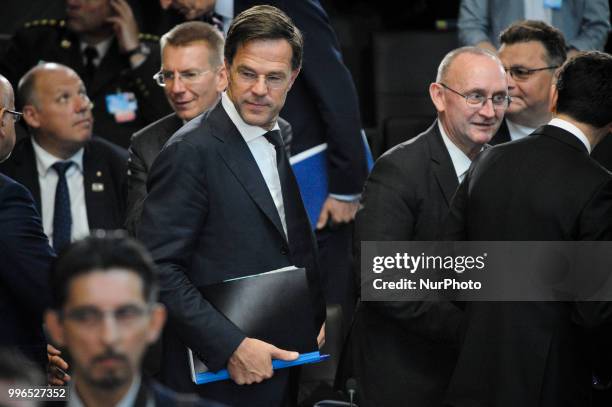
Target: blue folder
x=310 y=169
x=312 y=357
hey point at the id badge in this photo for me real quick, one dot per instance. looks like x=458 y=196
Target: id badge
x=553 y=4
x=122 y=105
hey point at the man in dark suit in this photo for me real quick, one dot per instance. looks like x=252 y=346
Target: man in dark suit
x=25 y=252
x=404 y=352
x=77 y=182
x=192 y=76
x=100 y=40
x=223 y=203
x=322 y=107
x=537 y=353
x=531 y=51
x=95 y=277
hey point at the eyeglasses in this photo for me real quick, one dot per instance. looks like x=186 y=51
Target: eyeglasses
x=273 y=81
x=92 y=317
x=477 y=101
x=162 y=78
x=522 y=74
x=16 y=116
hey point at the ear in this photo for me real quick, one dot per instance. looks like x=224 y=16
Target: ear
x=165 y=4
x=554 y=97
x=31 y=116
x=221 y=79
x=292 y=78
x=55 y=327
x=436 y=92
x=158 y=319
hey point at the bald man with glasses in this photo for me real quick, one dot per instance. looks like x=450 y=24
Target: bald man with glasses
x=405 y=198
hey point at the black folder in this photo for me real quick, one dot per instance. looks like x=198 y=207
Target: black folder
x=275 y=307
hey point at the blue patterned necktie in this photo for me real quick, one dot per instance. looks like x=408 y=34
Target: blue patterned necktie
x=62 y=217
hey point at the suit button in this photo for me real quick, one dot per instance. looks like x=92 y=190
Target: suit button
x=284 y=251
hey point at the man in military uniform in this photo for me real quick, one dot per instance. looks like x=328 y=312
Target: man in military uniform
x=100 y=40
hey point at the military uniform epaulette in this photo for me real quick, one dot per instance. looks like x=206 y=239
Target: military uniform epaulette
x=45 y=23
x=148 y=37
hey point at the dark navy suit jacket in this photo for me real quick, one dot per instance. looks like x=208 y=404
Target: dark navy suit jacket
x=25 y=257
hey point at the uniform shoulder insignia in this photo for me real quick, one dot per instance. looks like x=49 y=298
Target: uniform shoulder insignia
x=148 y=37
x=45 y=23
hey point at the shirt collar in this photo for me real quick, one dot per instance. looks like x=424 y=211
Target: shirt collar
x=461 y=162
x=567 y=126
x=127 y=401
x=225 y=8
x=44 y=159
x=247 y=131
x=518 y=131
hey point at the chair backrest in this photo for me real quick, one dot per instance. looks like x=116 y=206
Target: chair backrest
x=405 y=63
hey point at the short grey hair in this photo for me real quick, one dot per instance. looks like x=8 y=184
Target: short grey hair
x=448 y=59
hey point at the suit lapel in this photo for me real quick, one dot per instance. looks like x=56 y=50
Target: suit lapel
x=241 y=162
x=26 y=170
x=442 y=165
x=502 y=135
x=93 y=183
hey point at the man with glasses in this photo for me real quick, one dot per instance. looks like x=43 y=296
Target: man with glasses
x=223 y=203
x=78 y=182
x=25 y=252
x=405 y=352
x=542 y=188
x=101 y=41
x=531 y=51
x=192 y=76
x=104 y=314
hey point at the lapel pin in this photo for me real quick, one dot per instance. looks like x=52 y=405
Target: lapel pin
x=98 y=173
x=97 y=187
x=65 y=44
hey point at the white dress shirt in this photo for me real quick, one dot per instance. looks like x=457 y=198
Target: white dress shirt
x=567 y=126
x=263 y=152
x=461 y=162
x=518 y=131
x=47 y=179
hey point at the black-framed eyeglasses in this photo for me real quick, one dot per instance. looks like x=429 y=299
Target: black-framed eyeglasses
x=15 y=115
x=477 y=101
x=519 y=73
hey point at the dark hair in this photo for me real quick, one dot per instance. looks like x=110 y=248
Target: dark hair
x=101 y=252
x=584 y=84
x=532 y=30
x=264 y=23
x=192 y=32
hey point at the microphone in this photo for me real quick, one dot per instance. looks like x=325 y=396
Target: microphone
x=351 y=389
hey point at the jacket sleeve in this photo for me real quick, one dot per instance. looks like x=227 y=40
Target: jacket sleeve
x=594 y=26
x=333 y=91
x=25 y=250
x=171 y=233
x=473 y=23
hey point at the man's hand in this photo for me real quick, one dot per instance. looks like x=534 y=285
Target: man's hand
x=321 y=336
x=337 y=211
x=252 y=361
x=56 y=367
x=125 y=26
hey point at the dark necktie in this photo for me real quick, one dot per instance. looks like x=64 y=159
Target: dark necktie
x=91 y=53
x=292 y=199
x=214 y=19
x=62 y=218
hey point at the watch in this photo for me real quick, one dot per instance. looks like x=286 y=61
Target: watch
x=140 y=49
